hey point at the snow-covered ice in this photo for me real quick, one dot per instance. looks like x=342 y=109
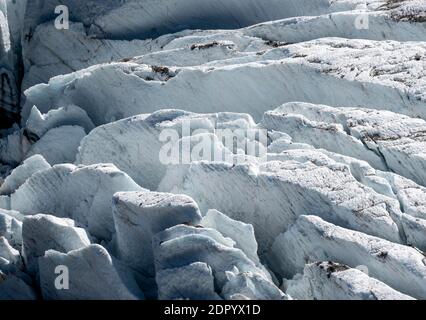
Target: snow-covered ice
x=252 y=84
x=388 y=141
x=182 y=245
x=11 y=227
x=272 y=195
x=312 y=239
x=334 y=281
x=83 y=194
x=113 y=283
x=194 y=281
x=140 y=215
x=41 y=233
x=124 y=140
x=21 y=174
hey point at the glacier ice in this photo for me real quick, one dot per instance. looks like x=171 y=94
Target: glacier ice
x=14 y=288
x=272 y=195
x=38 y=124
x=312 y=239
x=58 y=145
x=194 y=281
x=138 y=216
x=41 y=233
x=184 y=245
x=7 y=252
x=113 y=283
x=136 y=143
x=388 y=141
x=79 y=193
x=11 y=227
x=21 y=173
x=334 y=281
x=252 y=84
x=241 y=233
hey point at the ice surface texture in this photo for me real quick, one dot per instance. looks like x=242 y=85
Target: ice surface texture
x=331 y=205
